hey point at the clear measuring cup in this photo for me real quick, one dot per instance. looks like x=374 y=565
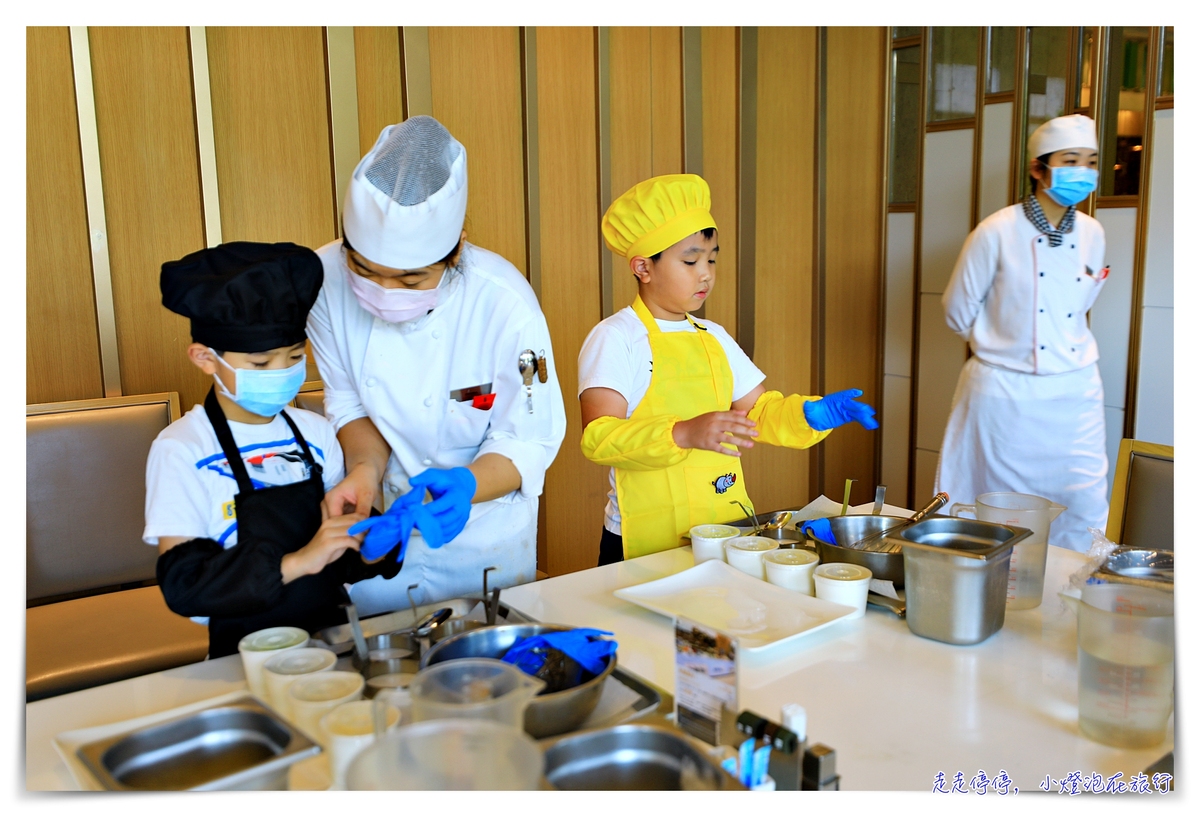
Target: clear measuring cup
x=1027 y=568
x=449 y=755
x=480 y=688
x=1126 y=664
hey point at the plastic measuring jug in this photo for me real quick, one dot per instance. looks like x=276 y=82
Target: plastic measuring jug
x=449 y=755
x=482 y=688
x=1126 y=664
x=1027 y=568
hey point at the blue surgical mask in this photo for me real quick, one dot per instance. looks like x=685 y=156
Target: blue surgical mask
x=263 y=391
x=1071 y=185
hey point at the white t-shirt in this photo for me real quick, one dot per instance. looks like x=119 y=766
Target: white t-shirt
x=616 y=355
x=190 y=486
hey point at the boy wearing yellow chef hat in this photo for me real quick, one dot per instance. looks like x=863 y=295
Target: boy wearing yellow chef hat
x=669 y=400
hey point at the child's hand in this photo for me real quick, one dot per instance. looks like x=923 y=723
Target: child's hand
x=331 y=541
x=709 y=431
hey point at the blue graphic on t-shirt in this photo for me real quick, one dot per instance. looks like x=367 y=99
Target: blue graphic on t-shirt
x=219 y=463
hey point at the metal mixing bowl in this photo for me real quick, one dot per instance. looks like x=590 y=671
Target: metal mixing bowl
x=550 y=714
x=852 y=527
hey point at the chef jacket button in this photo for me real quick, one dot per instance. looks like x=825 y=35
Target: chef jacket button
x=1039 y=241
x=1042 y=274
x=429 y=401
x=1041 y=310
x=370 y=382
x=427 y=462
x=1043 y=348
x=1068 y=314
x=1072 y=348
x=437 y=333
x=1078 y=279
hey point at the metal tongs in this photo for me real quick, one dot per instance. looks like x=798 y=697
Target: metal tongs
x=878 y=542
x=490 y=606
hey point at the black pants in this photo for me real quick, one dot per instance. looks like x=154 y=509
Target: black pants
x=611 y=548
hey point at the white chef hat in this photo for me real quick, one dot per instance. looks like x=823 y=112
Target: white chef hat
x=407 y=199
x=1060 y=133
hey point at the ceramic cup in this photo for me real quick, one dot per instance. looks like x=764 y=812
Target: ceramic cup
x=791 y=568
x=284 y=667
x=708 y=541
x=843 y=583
x=350 y=728
x=746 y=553
x=261 y=645
x=314 y=695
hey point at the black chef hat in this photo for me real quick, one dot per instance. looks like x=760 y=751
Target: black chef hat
x=244 y=296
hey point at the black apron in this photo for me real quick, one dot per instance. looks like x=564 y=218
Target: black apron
x=285 y=517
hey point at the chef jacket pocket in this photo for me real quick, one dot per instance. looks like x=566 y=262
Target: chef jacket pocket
x=464 y=425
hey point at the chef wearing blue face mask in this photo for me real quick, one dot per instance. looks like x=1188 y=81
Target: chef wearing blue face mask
x=1028 y=412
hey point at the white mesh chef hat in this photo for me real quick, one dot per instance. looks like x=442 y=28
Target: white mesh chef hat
x=408 y=196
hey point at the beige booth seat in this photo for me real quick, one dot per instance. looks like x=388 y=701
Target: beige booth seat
x=94 y=614
x=1141 y=512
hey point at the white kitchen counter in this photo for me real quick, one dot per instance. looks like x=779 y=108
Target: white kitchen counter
x=897 y=708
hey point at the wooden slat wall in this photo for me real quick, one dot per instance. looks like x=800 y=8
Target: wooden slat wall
x=475 y=75
x=377 y=71
x=271 y=125
x=855 y=70
x=666 y=96
x=778 y=477
x=568 y=199
x=62 y=342
x=719 y=85
x=149 y=159
x=631 y=119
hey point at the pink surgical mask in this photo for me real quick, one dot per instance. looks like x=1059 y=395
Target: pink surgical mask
x=392 y=305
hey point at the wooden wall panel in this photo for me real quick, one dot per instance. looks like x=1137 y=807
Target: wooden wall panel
x=271 y=125
x=475 y=75
x=570 y=294
x=377 y=70
x=778 y=477
x=631 y=118
x=666 y=89
x=144 y=116
x=855 y=71
x=719 y=85
x=62 y=343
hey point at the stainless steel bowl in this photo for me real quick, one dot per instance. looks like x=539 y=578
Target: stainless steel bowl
x=631 y=757
x=550 y=714
x=852 y=527
x=1141 y=563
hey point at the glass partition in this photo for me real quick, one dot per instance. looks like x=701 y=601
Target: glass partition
x=905 y=125
x=1046 y=81
x=1124 y=120
x=1002 y=59
x=1083 y=67
x=900 y=32
x=953 y=72
x=1166 y=85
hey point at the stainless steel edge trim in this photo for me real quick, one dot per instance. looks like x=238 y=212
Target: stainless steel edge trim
x=533 y=217
x=206 y=143
x=747 y=183
x=604 y=161
x=343 y=109
x=693 y=102
x=93 y=190
x=418 y=87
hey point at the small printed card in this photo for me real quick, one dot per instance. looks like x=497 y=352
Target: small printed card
x=706 y=679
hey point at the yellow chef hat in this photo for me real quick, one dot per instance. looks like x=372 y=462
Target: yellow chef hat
x=654 y=214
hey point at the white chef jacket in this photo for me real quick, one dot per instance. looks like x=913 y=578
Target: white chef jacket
x=1022 y=304
x=401 y=375
x=1028 y=410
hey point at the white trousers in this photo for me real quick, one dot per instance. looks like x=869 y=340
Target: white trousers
x=1034 y=434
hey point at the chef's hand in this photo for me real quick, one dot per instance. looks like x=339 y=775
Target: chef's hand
x=332 y=540
x=452 y=490
x=354 y=494
x=837 y=409
x=716 y=431
x=385 y=531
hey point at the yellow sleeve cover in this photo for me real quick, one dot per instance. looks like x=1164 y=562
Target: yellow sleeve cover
x=781 y=421
x=638 y=445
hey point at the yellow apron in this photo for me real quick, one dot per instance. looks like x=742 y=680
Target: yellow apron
x=690 y=376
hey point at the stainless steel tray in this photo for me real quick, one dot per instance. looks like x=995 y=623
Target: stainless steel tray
x=239 y=744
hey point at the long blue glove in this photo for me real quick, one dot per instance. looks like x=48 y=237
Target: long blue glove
x=820 y=528
x=837 y=409
x=384 y=531
x=452 y=490
x=587 y=646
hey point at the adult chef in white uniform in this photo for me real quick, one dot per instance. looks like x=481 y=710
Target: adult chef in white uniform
x=1028 y=412
x=419 y=336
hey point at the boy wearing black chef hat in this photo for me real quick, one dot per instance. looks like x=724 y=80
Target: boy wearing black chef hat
x=234 y=488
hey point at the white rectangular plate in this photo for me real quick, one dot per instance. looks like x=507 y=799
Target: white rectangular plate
x=714 y=594
x=67 y=743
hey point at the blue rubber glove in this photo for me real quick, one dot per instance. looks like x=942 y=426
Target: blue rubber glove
x=384 y=531
x=452 y=491
x=587 y=646
x=819 y=528
x=837 y=409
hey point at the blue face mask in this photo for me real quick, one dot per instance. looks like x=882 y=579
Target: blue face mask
x=263 y=391
x=1071 y=185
